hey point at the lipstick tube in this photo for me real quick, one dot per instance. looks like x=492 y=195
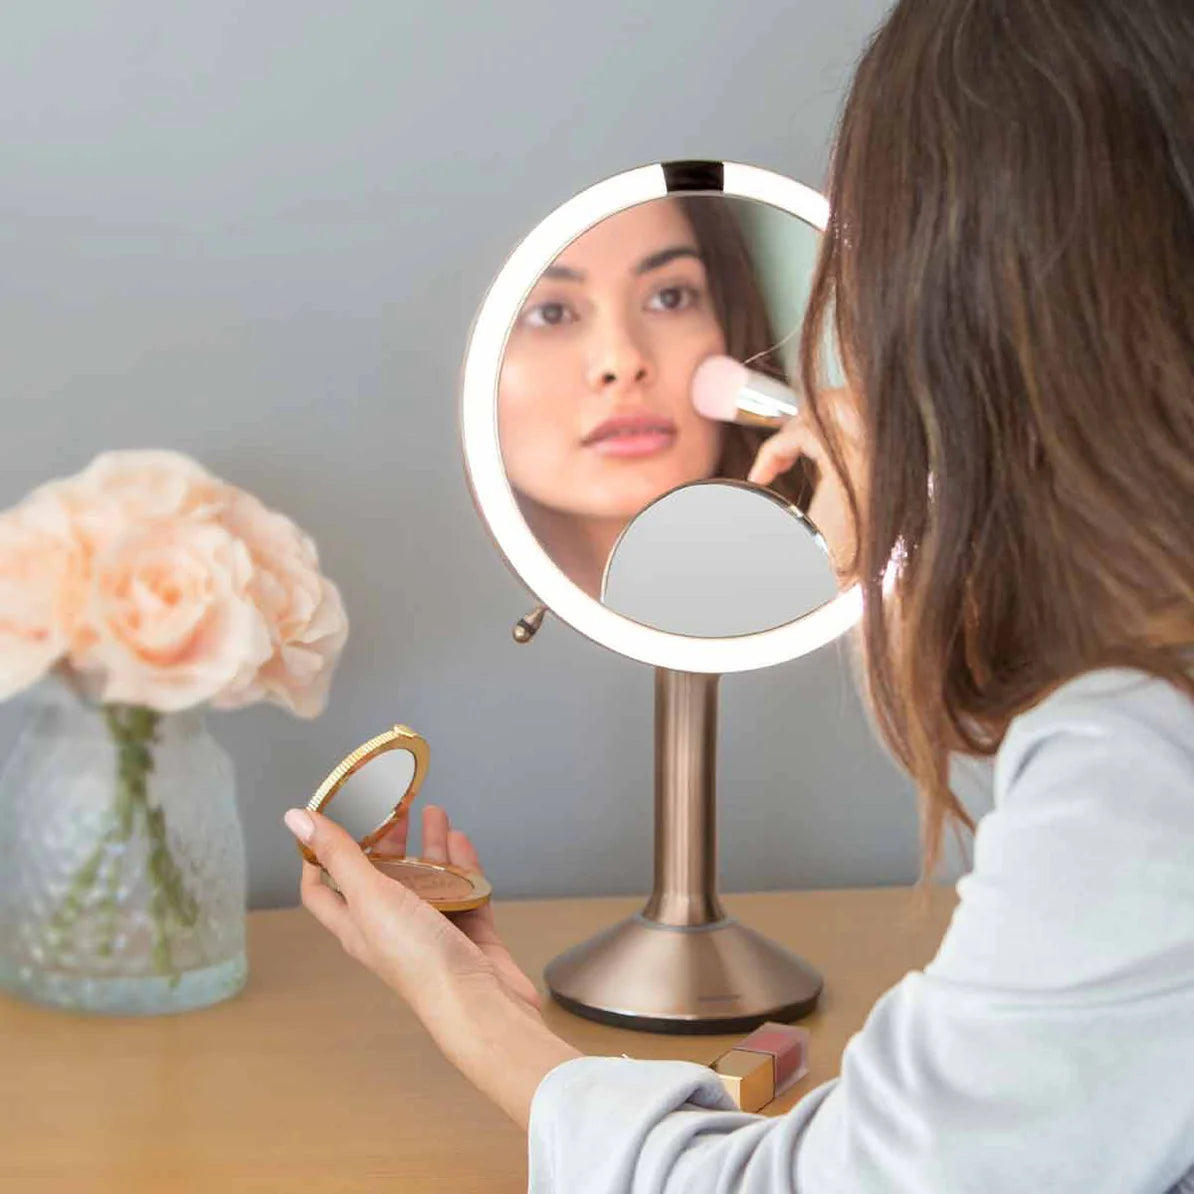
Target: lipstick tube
x=763 y=1065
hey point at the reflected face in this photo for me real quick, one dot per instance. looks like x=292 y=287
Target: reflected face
x=595 y=413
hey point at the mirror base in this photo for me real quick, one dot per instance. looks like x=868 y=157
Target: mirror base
x=715 y=978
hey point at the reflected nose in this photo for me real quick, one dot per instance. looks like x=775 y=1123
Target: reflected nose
x=617 y=360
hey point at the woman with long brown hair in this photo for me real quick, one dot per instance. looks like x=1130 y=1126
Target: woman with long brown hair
x=1009 y=474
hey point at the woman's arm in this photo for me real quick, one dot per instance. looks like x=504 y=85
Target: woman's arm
x=507 y=1050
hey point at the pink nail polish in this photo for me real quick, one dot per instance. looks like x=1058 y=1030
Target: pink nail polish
x=299 y=823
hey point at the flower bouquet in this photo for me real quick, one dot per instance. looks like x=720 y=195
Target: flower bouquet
x=140 y=591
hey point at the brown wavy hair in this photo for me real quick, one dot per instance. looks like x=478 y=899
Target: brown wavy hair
x=1009 y=271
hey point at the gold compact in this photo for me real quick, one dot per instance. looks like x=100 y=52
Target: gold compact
x=363 y=786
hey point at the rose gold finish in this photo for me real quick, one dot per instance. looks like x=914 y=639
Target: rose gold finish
x=683 y=965
x=685 y=805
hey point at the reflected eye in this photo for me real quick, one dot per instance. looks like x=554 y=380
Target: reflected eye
x=548 y=315
x=674 y=298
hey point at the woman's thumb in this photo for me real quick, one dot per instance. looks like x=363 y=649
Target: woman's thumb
x=335 y=848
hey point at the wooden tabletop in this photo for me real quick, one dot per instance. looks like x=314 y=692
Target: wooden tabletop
x=316 y=1078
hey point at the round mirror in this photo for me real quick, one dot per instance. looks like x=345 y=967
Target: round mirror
x=579 y=415
x=369 y=797
x=718 y=558
x=369 y=792
x=596 y=412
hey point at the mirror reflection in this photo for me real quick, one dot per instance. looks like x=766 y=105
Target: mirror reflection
x=368 y=797
x=595 y=402
x=718 y=559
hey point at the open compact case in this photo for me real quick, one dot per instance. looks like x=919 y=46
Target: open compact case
x=363 y=787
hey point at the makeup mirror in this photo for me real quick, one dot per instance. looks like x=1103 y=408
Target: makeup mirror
x=595 y=398
x=718 y=558
x=611 y=309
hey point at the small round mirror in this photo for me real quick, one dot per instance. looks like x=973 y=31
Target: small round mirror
x=369 y=792
x=716 y=558
x=368 y=799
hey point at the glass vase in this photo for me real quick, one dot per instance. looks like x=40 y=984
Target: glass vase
x=122 y=860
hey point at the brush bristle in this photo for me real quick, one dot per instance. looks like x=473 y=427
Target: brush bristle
x=715 y=387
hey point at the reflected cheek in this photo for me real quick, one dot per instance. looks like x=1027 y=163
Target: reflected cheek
x=535 y=429
x=709 y=434
x=702 y=440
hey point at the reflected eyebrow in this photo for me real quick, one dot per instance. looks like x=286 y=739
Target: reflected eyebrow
x=660 y=259
x=565 y=273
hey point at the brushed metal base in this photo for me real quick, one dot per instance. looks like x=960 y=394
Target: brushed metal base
x=719 y=977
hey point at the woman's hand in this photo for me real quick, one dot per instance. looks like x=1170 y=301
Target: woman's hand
x=455 y=973
x=829 y=510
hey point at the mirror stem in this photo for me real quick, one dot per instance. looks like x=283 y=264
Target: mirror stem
x=685 y=891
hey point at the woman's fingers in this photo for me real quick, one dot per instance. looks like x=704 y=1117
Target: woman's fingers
x=480 y=926
x=461 y=851
x=772 y=460
x=435 y=834
x=337 y=852
x=782 y=449
x=829 y=508
x=329 y=909
x=394 y=840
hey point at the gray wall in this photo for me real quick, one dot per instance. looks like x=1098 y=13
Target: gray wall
x=257 y=233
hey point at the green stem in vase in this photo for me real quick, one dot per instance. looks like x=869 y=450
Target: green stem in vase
x=72 y=903
x=120 y=833
x=171 y=904
x=134 y=729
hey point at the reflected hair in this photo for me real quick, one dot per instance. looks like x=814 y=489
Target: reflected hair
x=741 y=309
x=1007 y=268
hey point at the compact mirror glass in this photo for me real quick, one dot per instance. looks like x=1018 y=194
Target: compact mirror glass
x=369 y=796
x=718 y=559
x=595 y=409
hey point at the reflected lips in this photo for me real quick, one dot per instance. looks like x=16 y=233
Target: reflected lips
x=632 y=436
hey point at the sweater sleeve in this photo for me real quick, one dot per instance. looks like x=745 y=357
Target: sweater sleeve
x=1046 y=1045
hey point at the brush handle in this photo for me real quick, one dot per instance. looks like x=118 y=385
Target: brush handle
x=764 y=402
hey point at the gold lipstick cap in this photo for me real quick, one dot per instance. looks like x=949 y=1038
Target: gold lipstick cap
x=749 y=1077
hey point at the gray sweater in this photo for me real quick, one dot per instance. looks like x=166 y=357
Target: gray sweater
x=1047 y=1047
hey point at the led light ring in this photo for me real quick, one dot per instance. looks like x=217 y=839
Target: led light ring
x=490 y=487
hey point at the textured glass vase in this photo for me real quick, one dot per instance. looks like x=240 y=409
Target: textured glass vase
x=122 y=860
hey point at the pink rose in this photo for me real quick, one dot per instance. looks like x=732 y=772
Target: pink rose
x=302 y=608
x=173 y=620
x=119 y=490
x=43 y=585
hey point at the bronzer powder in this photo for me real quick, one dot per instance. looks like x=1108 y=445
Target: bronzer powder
x=426 y=880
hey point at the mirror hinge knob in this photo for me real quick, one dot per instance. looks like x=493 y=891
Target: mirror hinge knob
x=526 y=628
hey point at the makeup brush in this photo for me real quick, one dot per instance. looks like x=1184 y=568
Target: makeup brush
x=728 y=391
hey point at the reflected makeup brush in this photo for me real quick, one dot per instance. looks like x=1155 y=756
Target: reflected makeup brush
x=726 y=390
